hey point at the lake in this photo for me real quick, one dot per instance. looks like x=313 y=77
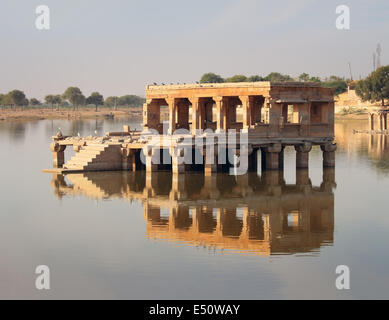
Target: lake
x=120 y=235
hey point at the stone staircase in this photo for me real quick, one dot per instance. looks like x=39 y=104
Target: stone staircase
x=96 y=157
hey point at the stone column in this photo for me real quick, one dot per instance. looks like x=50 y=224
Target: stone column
x=58 y=152
x=221 y=113
x=253 y=160
x=329 y=182
x=328 y=155
x=381 y=116
x=178 y=191
x=246 y=109
x=274 y=118
x=172 y=114
x=152 y=159
x=303 y=182
x=178 y=164
x=151 y=183
x=210 y=162
x=302 y=155
x=281 y=159
x=371 y=116
x=272 y=181
x=196 y=115
x=273 y=156
x=151 y=114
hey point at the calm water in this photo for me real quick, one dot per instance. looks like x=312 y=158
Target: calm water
x=121 y=235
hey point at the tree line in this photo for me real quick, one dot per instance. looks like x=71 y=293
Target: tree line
x=72 y=96
x=375 y=87
x=338 y=83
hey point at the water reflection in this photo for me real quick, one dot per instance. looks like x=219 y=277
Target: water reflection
x=249 y=214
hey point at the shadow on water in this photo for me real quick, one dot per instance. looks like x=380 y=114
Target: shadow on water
x=249 y=214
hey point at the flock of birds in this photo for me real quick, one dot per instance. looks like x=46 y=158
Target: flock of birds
x=78 y=134
x=171 y=83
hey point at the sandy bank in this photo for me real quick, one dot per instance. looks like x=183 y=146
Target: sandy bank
x=84 y=113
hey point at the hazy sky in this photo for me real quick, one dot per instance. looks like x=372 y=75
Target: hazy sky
x=117 y=47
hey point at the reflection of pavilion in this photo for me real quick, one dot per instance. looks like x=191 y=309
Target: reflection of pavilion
x=260 y=215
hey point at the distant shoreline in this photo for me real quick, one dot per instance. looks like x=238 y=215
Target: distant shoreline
x=90 y=113
x=82 y=113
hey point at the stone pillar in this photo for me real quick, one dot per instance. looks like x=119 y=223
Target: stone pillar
x=302 y=155
x=172 y=115
x=274 y=118
x=151 y=183
x=328 y=155
x=302 y=177
x=303 y=182
x=152 y=159
x=210 y=188
x=131 y=160
x=196 y=115
x=381 y=116
x=178 y=191
x=221 y=113
x=263 y=159
x=246 y=109
x=371 y=116
x=58 y=152
x=329 y=182
x=303 y=119
x=253 y=160
x=281 y=159
x=273 y=156
x=125 y=158
x=178 y=164
x=210 y=160
x=272 y=181
x=151 y=114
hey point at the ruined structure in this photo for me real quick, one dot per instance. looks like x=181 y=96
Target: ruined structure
x=250 y=214
x=262 y=117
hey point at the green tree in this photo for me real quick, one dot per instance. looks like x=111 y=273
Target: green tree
x=131 y=101
x=6 y=100
x=74 y=96
x=211 y=78
x=111 y=101
x=237 y=78
x=1 y=99
x=95 y=98
x=304 y=77
x=57 y=100
x=49 y=99
x=339 y=86
x=278 y=77
x=375 y=87
x=315 y=79
x=17 y=98
x=34 y=102
x=255 y=78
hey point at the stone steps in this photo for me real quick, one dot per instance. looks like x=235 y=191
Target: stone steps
x=96 y=157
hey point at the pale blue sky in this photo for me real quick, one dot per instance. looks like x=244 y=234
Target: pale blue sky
x=117 y=47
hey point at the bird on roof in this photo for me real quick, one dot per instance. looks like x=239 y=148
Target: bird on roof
x=154 y=83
